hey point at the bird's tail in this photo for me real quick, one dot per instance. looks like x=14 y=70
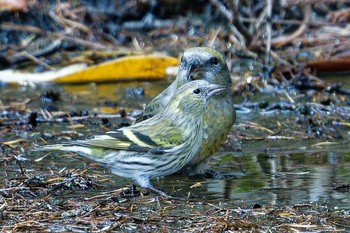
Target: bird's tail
x=81 y=150
x=50 y=147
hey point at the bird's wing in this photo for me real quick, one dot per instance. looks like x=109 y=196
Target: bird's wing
x=145 y=140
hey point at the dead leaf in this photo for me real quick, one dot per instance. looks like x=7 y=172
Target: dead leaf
x=126 y=68
x=121 y=69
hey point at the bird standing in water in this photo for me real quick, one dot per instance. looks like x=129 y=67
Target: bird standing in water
x=158 y=146
x=202 y=63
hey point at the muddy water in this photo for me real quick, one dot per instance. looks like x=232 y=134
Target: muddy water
x=257 y=171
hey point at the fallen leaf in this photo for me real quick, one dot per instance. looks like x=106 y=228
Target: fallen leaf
x=14 y=76
x=121 y=69
x=126 y=68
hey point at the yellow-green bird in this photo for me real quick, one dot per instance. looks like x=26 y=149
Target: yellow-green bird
x=158 y=146
x=202 y=63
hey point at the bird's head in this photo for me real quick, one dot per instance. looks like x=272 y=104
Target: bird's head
x=203 y=63
x=191 y=98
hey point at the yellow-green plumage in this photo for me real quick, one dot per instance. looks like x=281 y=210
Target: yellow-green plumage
x=207 y=64
x=158 y=146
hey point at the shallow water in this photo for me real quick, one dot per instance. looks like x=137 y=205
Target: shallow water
x=262 y=171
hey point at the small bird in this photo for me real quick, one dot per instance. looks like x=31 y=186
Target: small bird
x=158 y=146
x=202 y=63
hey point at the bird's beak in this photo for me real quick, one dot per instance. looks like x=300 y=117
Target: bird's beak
x=195 y=71
x=214 y=89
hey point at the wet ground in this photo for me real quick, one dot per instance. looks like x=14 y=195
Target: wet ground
x=260 y=170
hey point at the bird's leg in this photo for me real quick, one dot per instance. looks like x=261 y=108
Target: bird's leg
x=160 y=192
x=144 y=181
x=133 y=190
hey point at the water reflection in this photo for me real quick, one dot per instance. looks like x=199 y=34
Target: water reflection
x=287 y=178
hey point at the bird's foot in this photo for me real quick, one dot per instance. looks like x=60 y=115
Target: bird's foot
x=167 y=196
x=161 y=193
x=144 y=181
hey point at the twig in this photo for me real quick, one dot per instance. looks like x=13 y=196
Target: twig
x=257 y=23
x=290 y=99
x=283 y=40
x=234 y=5
x=13 y=189
x=212 y=41
x=34 y=59
x=71 y=119
x=70 y=23
x=25 y=28
x=229 y=16
x=282 y=61
x=79 y=41
x=51 y=48
x=288 y=22
x=268 y=31
x=140 y=25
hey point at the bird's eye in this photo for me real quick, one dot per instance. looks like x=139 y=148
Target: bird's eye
x=214 y=61
x=197 y=91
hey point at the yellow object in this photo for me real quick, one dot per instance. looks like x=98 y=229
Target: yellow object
x=126 y=68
